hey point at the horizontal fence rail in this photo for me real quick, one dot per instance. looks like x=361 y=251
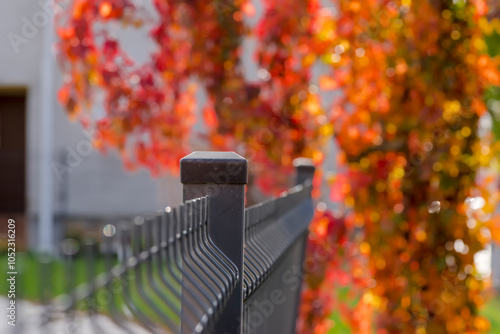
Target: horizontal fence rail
x=207 y=266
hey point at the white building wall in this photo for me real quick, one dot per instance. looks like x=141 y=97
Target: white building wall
x=21 y=69
x=98 y=186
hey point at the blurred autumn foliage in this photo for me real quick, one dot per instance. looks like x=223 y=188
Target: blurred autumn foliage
x=414 y=77
x=408 y=123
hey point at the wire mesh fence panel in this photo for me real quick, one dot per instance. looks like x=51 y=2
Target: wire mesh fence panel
x=275 y=237
x=159 y=274
x=206 y=266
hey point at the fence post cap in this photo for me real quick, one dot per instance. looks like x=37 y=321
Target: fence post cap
x=304 y=163
x=305 y=169
x=208 y=167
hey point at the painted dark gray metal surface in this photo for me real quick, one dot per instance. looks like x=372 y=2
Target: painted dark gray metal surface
x=206 y=167
x=222 y=176
x=305 y=170
x=272 y=306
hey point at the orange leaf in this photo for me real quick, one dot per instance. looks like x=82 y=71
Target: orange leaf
x=327 y=83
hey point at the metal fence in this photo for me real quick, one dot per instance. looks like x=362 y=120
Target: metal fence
x=207 y=266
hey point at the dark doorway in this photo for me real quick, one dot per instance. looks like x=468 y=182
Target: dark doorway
x=12 y=152
x=13 y=161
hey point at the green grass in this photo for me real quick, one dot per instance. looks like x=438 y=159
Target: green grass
x=492 y=312
x=341 y=326
x=32 y=276
x=38 y=282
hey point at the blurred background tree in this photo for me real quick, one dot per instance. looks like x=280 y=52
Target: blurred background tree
x=413 y=78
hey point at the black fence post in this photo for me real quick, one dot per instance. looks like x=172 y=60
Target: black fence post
x=304 y=171
x=222 y=176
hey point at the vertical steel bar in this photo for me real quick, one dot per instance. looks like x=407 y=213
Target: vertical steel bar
x=222 y=176
x=304 y=171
